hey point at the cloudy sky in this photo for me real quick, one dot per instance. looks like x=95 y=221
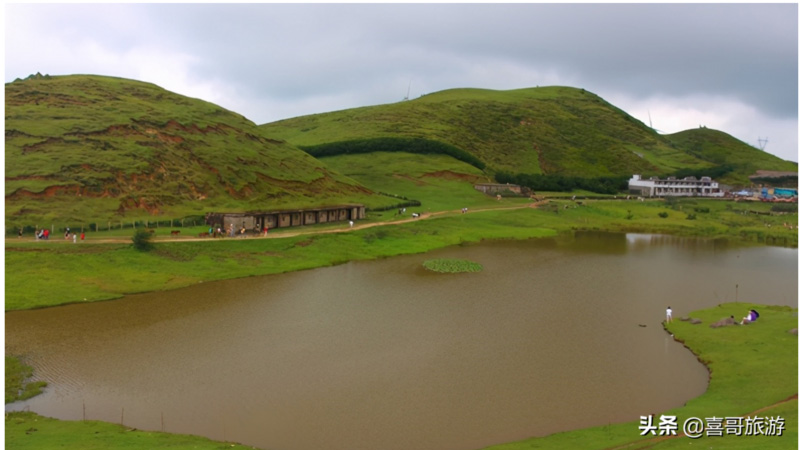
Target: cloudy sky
x=732 y=67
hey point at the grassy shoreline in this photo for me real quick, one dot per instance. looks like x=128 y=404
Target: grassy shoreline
x=55 y=273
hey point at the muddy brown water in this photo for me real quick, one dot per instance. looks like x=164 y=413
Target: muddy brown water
x=384 y=355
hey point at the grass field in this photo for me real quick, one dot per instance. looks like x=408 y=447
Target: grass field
x=440 y=182
x=27 y=430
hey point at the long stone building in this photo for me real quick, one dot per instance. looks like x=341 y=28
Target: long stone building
x=256 y=221
x=498 y=188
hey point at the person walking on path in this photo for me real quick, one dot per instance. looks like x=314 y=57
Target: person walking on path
x=669 y=314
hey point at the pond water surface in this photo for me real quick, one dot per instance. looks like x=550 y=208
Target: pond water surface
x=552 y=335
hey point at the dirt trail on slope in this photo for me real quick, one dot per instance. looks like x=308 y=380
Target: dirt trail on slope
x=282 y=234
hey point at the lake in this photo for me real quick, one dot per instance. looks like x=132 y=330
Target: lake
x=552 y=335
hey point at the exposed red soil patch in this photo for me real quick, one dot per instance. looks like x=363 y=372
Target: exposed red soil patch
x=772 y=173
x=50 y=191
x=194 y=129
x=416 y=181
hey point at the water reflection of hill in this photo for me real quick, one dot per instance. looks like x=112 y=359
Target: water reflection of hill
x=641 y=241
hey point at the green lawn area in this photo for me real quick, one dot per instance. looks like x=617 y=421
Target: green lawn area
x=439 y=182
x=26 y=430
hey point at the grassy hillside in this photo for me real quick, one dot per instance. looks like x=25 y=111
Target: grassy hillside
x=85 y=148
x=723 y=149
x=550 y=130
x=438 y=181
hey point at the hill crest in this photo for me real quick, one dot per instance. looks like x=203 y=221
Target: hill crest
x=543 y=130
x=86 y=147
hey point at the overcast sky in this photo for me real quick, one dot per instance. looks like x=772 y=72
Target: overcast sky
x=731 y=67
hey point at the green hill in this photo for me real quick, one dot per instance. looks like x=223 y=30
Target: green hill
x=83 y=149
x=547 y=130
x=726 y=151
x=90 y=148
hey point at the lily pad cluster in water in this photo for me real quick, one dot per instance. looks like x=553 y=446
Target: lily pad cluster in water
x=452 y=265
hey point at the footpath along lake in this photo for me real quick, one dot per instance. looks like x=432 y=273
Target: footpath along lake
x=385 y=355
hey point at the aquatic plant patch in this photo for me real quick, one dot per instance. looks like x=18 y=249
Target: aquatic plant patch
x=19 y=385
x=444 y=265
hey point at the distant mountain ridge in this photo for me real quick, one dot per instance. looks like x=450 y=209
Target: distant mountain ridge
x=84 y=148
x=92 y=148
x=544 y=130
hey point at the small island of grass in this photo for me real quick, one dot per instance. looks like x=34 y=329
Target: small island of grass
x=443 y=265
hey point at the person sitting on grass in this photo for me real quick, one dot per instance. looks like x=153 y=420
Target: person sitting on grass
x=751 y=316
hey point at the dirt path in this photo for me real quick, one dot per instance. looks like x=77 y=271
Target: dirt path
x=283 y=234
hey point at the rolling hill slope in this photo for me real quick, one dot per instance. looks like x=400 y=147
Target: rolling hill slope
x=84 y=148
x=725 y=150
x=547 y=130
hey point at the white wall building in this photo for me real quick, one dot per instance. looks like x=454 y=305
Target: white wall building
x=672 y=187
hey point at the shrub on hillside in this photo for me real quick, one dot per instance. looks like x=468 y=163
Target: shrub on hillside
x=410 y=145
x=142 y=240
x=563 y=183
x=784 y=208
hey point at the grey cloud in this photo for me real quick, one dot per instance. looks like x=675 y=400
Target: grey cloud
x=363 y=54
x=744 y=51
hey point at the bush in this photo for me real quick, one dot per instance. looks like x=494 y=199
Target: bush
x=663 y=215
x=409 y=204
x=406 y=204
x=564 y=183
x=389 y=144
x=784 y=207
x=142 y=240
x=691 y=217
